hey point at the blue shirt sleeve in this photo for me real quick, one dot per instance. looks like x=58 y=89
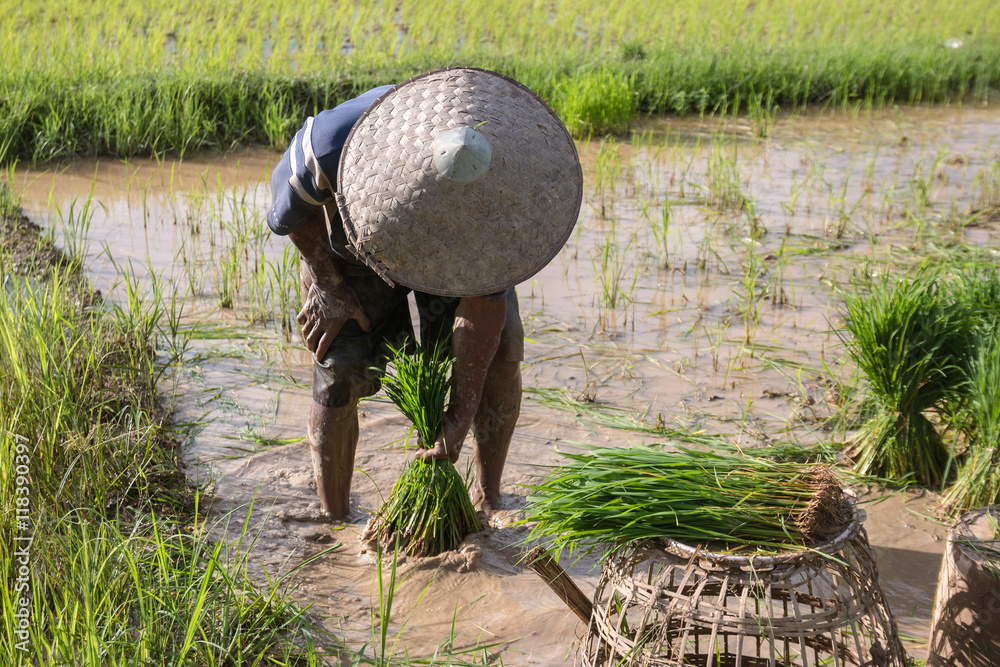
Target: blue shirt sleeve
x=306 y=176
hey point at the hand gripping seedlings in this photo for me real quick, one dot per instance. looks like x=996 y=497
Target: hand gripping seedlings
x=428 y=510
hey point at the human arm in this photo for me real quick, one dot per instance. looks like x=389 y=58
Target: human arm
x=330 y=302
x=478 y=323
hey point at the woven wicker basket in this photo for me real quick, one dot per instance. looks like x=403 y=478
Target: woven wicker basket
x=966 y=626
x=671 y=604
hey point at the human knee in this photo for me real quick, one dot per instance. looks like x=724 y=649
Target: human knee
x=343 y=385
x=338 y=396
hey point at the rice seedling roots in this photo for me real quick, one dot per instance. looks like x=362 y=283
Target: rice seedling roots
x=427 y=513
x=828 y=512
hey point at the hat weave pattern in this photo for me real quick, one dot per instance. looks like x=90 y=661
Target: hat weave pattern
x=420 y=229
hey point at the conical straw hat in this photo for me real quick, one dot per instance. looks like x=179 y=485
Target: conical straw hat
x=458 y=182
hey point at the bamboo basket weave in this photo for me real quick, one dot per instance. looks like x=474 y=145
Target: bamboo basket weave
x=667 y=603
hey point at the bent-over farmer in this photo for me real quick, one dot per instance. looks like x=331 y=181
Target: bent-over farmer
x=455 y=185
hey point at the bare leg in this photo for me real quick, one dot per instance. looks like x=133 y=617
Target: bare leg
x=333 y=439
x=493 y=427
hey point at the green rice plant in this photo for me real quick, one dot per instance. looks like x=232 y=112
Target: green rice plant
x=598 y=102
x=428 y=510
x=608 y=165
x=104 y=592
x=114 y=575
x=751 y=290
x=724 y=180
x=661 y=234
x=616 y=417
x=612 y=496
x=76 y=228
x=986 y=203
x=977 y=288
x=287 y=286
x=278 y=123
x=910 y=340
x=978 y=480
x=259 y=290
x=612 y=264
x=841 y=212
x=762 y=111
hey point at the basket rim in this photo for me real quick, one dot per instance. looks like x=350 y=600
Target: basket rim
x=768 y=561
x=962 y=533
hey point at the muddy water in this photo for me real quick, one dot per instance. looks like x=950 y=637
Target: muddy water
x=698 y=291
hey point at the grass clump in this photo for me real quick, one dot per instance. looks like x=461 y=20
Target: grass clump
x=978 y=481
x=594 y=103
x=977 y=417
x=910 y=339
x=428 y=510
x=618 y=495
x=928 y=346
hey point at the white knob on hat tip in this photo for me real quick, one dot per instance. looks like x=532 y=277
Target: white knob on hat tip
x=461 y=155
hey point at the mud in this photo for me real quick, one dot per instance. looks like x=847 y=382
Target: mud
x=699 y=291
x=22 y=242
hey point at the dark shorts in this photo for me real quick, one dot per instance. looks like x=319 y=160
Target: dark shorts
x=349 y=367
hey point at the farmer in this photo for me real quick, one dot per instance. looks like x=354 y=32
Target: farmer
x=455 y=185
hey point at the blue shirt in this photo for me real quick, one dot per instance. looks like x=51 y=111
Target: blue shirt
x=306 y=177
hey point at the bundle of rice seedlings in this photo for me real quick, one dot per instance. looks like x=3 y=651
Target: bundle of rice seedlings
x=428 y=510
x=911 y=342
x=978 y=290
x=978 y=480
x=617 y=495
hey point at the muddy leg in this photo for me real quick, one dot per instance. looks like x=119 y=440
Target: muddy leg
x=493 y=427
x=333 y=439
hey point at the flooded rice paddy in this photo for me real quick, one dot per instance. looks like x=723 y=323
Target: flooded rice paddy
x=699 y=292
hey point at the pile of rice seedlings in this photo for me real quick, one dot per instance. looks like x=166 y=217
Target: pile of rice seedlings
x=428 y=510
x=612 y=496
x=911 y=340
x=925 y=345
x=978 y=415
x=978 y=481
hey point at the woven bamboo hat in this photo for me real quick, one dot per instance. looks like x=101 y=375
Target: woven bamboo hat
x=458 y=182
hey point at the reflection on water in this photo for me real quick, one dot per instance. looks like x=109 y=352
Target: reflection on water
x=699 y=290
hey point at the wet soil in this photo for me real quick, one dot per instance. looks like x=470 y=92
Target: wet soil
x=699 y=291
x=22 y=242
